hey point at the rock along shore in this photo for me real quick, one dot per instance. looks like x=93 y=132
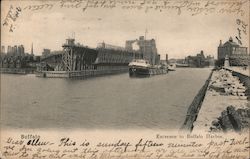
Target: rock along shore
x=226 y=104
x=222 y=104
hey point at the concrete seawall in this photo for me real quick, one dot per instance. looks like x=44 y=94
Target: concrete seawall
x=206 y=108
x=195 y=106
x=225 y=106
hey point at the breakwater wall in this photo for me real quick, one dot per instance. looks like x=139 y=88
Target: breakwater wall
x=195 y=106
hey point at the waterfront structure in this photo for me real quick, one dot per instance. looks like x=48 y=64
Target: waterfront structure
x=238 y=55
x=12 y=62
x=110 y=55
x=76 y=57
x=78 y=60
x=199 y=60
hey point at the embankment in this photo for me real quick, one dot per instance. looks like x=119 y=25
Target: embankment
x=195 y=106
x=222 y=104
x=226 y=105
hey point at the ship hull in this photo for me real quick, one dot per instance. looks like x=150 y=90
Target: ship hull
x=145 y=71
x=139 y=71
x=182 y=65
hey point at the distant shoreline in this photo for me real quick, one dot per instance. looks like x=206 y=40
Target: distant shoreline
x=17 y=70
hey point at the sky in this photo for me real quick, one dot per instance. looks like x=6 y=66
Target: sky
x=175 y=35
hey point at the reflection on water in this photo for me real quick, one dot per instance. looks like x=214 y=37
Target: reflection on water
x=117 y=101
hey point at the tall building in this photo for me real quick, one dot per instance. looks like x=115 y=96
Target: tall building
x=147 y=48
x=20 y=50
x=2 y=49
x=15 y=50
x=45 y=52
x=9 y=49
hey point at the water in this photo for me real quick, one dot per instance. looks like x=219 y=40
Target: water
x=110 y=102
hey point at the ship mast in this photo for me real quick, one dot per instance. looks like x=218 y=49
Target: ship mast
x=145 y=41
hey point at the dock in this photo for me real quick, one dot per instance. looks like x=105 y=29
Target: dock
x=21 y=71
x=80 y=74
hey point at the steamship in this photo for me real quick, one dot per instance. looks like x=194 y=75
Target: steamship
x=139 y=67
x=149 y=64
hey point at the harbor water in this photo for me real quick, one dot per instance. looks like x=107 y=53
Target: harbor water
x=108 y=102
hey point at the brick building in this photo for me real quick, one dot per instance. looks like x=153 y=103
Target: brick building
x=237 y=54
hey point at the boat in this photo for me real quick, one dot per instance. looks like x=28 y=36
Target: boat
x=149 y=63
x=171 y=67
x=181 y=65
x=139 y=67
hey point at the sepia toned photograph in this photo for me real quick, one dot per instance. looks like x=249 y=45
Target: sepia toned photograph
x=124 y=77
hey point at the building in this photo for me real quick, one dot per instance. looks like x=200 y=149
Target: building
x=20 y=50
x=17 y=58
x=77 y=57
x=9 y=49
x=15 y=50
x=2 y=49
x=210 y=60
x=115 y=55
x=237 y=54
x=45 y=52
x=147 y=48
x=199 y=60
